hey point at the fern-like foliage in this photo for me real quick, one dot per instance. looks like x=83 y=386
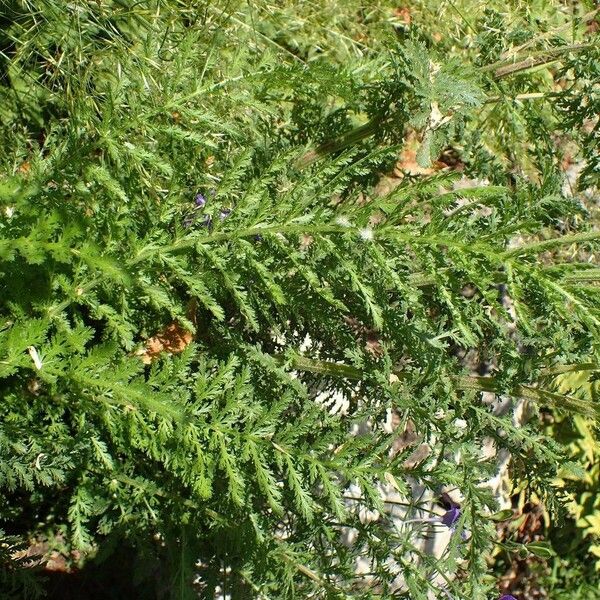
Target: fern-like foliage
x=172 y=163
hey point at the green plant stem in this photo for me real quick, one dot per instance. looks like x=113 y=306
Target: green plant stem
x=291 y=229
x=348 y=139
x=529 y=96
x=419 y=279
x=575 y=368
x=462 y=382
x=503 y=68
x=536 y=247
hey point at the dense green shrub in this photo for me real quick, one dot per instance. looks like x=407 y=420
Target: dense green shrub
x=197 y=263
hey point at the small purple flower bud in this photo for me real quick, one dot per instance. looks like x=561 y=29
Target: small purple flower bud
x=451 y=516
x=507 y=597
x=206 y=221
x=200 y=201
x=224 y=213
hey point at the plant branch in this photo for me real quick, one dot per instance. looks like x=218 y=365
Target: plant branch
x=462 y=382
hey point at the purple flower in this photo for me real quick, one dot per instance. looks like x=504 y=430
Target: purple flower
x=451 y=516
x=199 y=204
x=507 y=597
x=224 y=213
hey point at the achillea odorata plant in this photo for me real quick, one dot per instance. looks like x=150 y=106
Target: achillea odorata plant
x=192 y=244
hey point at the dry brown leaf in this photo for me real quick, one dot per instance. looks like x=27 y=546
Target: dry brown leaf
x=40 y=555
x=421 y=452
x=403 y=15
x=174 y=339
x=408 y=165
x=24 y=168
